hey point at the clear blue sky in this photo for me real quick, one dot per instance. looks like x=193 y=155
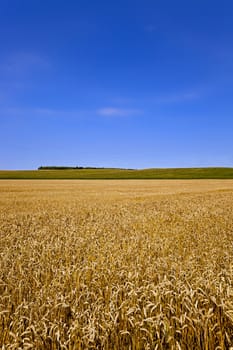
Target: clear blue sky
x=116 y=83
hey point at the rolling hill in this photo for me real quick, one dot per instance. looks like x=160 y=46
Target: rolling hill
x=115 y=173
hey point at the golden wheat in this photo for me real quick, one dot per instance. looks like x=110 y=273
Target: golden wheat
x=116 y=264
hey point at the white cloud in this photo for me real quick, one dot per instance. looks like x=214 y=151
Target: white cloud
x=44 y=113
x=117 y=112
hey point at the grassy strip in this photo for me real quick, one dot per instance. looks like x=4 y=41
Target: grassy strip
x=170 y=173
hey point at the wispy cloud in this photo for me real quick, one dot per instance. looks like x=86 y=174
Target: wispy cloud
x=150 y=28
x=2 y=97
x=165 y=98
x=122 y=100
x=110 y=111
x=118 y=112
x=176 y=97
x=30 y=113
x=38 y=112
x=21 y=62
x=50 y=113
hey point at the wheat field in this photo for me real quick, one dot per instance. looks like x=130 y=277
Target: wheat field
x=116 y=264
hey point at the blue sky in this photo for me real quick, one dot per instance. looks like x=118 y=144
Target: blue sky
x=132 y=84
